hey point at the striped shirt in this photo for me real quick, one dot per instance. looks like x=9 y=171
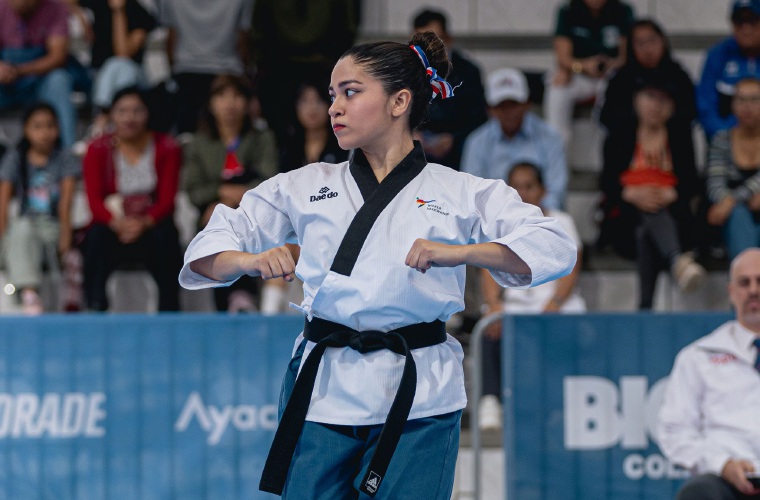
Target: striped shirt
x=724 y=177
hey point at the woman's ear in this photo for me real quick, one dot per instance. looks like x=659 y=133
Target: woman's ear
x=401 y=102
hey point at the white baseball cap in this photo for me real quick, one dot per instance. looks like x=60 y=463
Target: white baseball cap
x=504 y=84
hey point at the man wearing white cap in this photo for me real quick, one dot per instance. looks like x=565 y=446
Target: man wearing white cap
x=515 y=135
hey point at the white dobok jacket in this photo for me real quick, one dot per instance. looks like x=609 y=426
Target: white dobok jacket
x=313 y=207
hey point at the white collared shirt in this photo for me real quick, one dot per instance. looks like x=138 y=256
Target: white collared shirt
x=711 y=410
x=313 y=206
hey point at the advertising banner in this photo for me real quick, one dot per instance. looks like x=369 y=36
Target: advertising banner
x=581 y=395
x=139 y=407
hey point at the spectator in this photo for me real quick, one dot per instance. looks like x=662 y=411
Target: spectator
x=726 y=63
x=649 y=180
x=451 y=120
x=42 y=176
x=708 y=419
x=556 y=296
x=81 y=37
x=589 y=43
x=33 y=53
x=310 y=139
x=226 y=158
x=131 y=179
x=733 y=172
x=205 y=39
x=514 y=135
x=648 y=58
x=120 y=28
x=293 y=38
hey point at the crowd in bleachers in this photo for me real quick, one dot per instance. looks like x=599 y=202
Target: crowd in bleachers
x=246 y=98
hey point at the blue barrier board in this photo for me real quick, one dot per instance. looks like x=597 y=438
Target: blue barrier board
x=581 y=395
x=139 y=407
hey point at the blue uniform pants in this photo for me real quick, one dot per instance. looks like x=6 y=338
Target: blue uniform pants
x=741 y=231
x=330 y=460
x=54 y=88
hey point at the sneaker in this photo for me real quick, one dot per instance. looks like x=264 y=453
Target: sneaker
x=31 y=302
x=240 y=301
x=688 y=273
x=489 y=413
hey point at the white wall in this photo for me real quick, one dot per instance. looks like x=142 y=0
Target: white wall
x=512 y=17
x=483 y=18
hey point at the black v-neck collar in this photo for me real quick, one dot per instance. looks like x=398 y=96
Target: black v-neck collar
x=377 y=196
x=365 y=178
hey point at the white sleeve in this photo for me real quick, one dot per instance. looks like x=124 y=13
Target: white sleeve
x=679 y=426
x=539 y=241
x=260 y=223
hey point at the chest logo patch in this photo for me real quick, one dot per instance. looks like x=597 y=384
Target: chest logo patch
x=324 y=193
x=430 y=205
x=722 y=358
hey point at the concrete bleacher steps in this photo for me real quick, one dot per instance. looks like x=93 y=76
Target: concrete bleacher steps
x=491 y=474
x=617 y=290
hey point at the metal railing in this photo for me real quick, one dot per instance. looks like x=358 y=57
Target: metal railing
x=476 y=354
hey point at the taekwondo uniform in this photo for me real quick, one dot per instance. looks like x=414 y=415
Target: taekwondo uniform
x=360 y=280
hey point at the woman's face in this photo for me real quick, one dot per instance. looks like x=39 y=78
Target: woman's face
x=41 y=130
x=229 y=107
x=311 y=110
x=746 y=103
x=653 y=107
x=361 y=110
x=648 y=46
x=526 y=184
x=130 y=117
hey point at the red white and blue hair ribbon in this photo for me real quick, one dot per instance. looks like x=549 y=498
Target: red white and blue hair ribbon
x=440 y=86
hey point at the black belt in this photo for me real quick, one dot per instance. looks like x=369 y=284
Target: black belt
x=328 y=334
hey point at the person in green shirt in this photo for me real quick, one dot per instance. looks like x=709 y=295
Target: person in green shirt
x=223 y=160
x=589 y=44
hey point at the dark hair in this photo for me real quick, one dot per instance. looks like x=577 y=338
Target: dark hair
x=207 y=122
x=529 y=166
x=655 y=81
x=225 y=81
x=129 y=91
x=651 y=24
x=313 y=83
x=427 y=16
x=398 y=67
x=27 y=114
x=36 y=107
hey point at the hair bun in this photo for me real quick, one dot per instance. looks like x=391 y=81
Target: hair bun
x=435 y=50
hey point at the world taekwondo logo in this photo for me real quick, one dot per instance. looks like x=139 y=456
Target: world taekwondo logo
x=431 y=206
x=324 y=193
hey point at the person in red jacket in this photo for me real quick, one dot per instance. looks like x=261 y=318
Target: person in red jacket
x=131 y=178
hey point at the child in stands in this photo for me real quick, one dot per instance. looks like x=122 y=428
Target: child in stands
x=43 y=177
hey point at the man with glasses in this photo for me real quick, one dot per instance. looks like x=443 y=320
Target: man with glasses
x=708 y=422
x=736 y=56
